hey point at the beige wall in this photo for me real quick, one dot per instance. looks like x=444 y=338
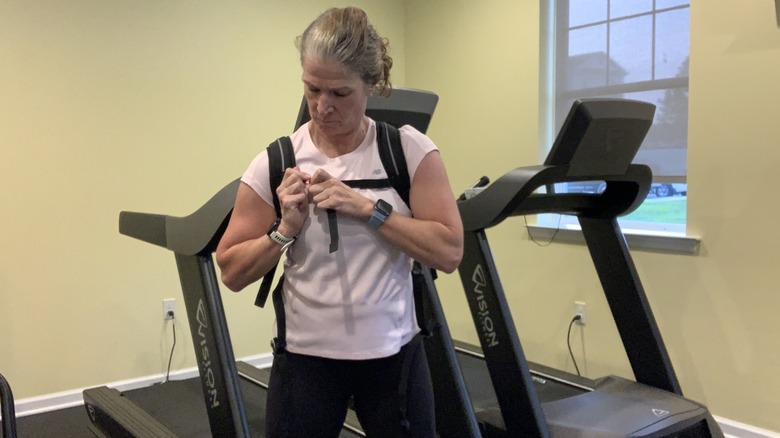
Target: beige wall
x=130 y=105
x=153 y=106
x=717 y=309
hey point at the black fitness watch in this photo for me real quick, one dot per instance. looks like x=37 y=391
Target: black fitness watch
x=382 y=210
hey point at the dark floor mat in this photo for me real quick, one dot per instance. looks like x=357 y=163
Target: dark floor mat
x=70 y=422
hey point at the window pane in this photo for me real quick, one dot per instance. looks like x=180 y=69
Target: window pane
x=588 y=40
x=586 y=65
x=587 y=11
x=672 y=43
x=631 y=48
x=663 y=4
x=623 y=8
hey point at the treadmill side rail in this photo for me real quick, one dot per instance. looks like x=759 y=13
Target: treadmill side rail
x=618 y=408
x=116 y=416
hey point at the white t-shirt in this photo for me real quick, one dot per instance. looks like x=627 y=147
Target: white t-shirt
x=357 y=302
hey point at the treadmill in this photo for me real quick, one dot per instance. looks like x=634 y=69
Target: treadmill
x=7 y=409
x=193 y=239
x=597 y=142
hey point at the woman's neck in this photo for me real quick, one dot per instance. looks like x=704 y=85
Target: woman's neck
x=340 y=144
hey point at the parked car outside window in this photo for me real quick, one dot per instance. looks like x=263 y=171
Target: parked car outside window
x=658 y=190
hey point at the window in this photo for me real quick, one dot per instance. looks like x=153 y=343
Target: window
x=634 y=49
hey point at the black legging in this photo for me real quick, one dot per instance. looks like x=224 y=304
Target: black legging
x=308 y=396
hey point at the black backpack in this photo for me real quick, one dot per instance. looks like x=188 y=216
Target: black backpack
x=281 y=157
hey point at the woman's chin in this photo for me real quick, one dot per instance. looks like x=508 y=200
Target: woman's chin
x=329 y=127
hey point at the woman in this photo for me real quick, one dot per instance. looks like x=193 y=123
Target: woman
x=350 y=320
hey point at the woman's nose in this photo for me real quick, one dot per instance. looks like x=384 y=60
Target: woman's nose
x=324 y=104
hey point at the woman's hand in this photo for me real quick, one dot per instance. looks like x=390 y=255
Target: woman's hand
x=293 y=200
x=327 y=192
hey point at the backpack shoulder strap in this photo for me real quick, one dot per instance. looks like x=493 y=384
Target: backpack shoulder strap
x=394 y=160
x=280 y=157
x=391 y=152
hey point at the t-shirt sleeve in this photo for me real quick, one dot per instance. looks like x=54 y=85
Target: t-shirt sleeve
x=416 y=146
x=256 y=177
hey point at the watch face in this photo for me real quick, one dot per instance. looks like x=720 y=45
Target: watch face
x=384 y=207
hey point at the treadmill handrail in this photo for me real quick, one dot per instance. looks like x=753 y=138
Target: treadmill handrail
x=187 y=235
x=513 y=194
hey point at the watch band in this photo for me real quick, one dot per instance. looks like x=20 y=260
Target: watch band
x=278 y=237
x=382 y=210
x=281 y=239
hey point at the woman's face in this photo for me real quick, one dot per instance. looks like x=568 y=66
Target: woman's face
x=335 y=94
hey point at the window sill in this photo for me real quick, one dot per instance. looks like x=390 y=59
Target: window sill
x=657 y=241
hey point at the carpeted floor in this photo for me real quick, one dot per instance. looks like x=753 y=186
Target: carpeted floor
x=70 y=422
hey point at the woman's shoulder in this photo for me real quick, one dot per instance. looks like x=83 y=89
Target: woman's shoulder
x=411 y=137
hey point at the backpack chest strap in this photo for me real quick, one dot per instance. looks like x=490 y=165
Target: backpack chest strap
x=333 y=226
x=369 y=183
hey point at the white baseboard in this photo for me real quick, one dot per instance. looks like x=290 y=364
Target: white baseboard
x=733 y=429
x=67 y=399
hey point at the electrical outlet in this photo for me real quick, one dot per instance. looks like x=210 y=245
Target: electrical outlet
x=579 y=309
x=169 y=308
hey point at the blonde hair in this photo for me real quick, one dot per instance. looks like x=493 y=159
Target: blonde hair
x=345 y=35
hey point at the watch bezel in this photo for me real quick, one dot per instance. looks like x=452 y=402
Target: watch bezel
x=383 y=207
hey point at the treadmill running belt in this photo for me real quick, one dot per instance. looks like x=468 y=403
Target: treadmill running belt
x=481 y=390
x=178 y=404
